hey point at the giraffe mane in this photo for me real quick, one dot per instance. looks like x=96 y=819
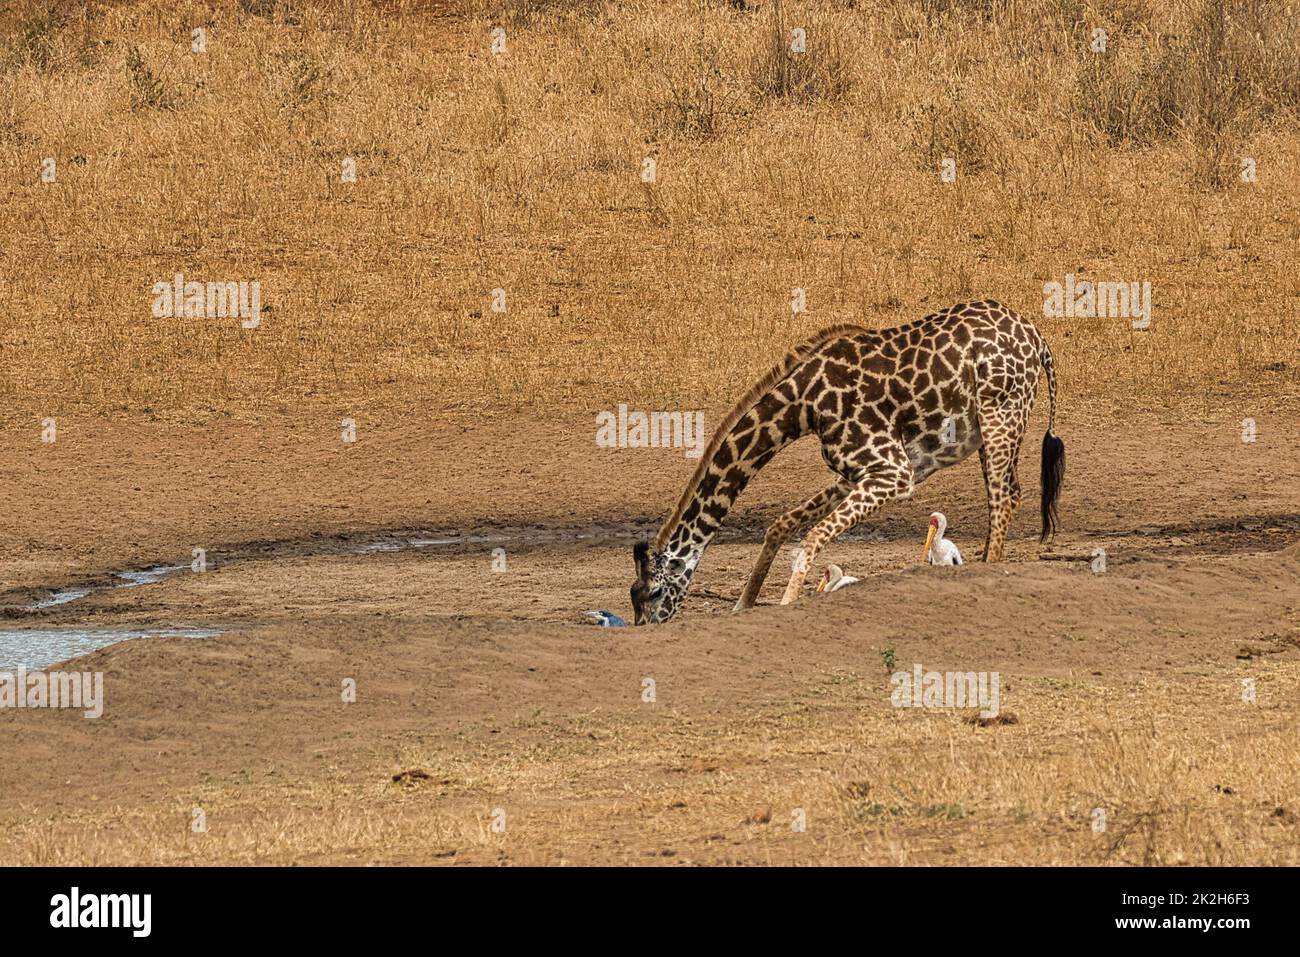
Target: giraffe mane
x=759 y=389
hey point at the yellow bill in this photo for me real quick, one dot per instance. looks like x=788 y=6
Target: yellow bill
x=929 y=540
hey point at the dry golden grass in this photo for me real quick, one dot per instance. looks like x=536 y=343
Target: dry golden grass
x=1185 y=773
x=522 y=171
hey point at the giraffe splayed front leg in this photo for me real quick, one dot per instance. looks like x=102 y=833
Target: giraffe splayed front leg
x=888 y=479
x=813 y=510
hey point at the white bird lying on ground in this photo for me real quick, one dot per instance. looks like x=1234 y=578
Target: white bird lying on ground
x=833 y=579
x=938 y=550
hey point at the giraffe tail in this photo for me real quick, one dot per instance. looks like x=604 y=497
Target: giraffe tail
x=1053 y=452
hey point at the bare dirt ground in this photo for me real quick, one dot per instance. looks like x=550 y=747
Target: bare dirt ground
x=482 y=697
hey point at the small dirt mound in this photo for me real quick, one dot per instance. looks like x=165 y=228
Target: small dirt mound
x=413 y=777
x=1002 y=717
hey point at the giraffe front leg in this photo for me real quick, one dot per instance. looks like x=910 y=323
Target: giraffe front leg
x=813 y=510
x=803 y=557
x=888 y=480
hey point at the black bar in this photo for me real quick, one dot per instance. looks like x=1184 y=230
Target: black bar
x=404 y=907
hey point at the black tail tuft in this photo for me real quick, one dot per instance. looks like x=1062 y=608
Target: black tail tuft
x=1053 y=476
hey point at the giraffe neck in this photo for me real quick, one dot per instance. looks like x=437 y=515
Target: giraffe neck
x=743 y=445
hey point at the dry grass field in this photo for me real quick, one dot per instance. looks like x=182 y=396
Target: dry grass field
x=522 y=171
x=558 y=208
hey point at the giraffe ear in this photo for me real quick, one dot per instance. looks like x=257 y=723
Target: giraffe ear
x=641 y=555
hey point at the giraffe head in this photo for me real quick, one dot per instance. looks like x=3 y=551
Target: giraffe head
x=661 y=583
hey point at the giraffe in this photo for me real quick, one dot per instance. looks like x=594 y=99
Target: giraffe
x=890 y=407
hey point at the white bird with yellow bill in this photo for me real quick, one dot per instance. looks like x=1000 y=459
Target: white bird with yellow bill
x=938 y=550
x=833 y=579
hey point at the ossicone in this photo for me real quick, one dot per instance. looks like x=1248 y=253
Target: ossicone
x=641 y=555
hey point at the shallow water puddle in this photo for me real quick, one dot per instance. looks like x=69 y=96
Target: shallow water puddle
x=130 y=579
x=61 y=597
x=40 y=647
x=391 y=545
x=148 y=576
x=156 y=573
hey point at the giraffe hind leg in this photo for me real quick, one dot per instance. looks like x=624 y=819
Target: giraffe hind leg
x=1003 y=431
x=779 y=532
